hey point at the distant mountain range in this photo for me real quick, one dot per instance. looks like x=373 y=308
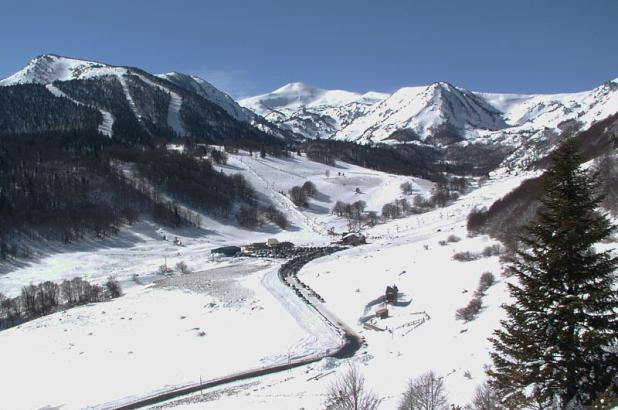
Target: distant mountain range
x=54 y=93
x=438 y=113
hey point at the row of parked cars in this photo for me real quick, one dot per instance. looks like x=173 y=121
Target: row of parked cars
x=292 y=267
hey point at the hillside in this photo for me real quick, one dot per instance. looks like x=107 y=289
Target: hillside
x=132 y=104
x=244 y=292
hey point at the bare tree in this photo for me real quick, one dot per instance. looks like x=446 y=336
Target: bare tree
x=298 y=196
x=485 y=398
x=407 y=188
x=113 y=287
x=349 y=393
x=309 y=189
x=182 y=267
x=68 y=292
x=426 y=392
x=28 y=300
x=48 y=296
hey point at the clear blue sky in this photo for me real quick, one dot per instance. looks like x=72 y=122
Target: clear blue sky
x=253 y=46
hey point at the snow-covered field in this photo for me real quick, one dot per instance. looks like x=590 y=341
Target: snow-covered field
x=150 y=338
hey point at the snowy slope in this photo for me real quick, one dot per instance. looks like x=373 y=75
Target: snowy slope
x=416 y=338
x=106 y=125
x=291 y=97
x=161 y=325
x=204 y=103
x=48 y=68
x=152 y=333
x=536 y=121
x=440 y=109
x=309 y=111
x=211 y=93
x=424 y=110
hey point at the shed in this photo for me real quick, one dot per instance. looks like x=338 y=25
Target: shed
x=353 y=239
x=382 y=313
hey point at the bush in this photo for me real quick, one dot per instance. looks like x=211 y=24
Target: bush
x=298 y=196
x=182 y=267
x=309 y=189
x=353 y=211
x=275 y=216
x=407 y=188
x=164 y=270
x=391 y=211
x=247 y=217
x=492 y=250
x=113 y=287
x=426 y=392
x=487 y=280
x=465 y=256
x=420 y=202
x=469 y=313
x=453 y=238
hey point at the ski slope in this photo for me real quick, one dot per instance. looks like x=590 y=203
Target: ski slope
x=107 y=123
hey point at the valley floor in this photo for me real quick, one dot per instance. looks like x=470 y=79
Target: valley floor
x=232 y=315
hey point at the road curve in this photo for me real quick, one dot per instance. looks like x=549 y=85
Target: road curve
x=351 y=342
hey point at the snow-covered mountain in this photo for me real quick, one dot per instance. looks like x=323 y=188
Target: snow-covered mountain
x=135 y=103
x=439 y=113
x=46 y=69
x=211 y=93
x=439 y=110
x=312 y=112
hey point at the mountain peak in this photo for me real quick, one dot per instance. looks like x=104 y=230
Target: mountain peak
x=47 y=68
x=295 y=87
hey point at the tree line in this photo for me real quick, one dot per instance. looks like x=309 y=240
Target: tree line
x=48 y=297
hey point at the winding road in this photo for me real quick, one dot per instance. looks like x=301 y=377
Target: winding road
x=280 y=284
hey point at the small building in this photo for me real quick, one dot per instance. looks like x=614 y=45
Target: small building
x=227 y=250
x=391 y=294
x=272 y=242
x=353 y=239
x=382 y=313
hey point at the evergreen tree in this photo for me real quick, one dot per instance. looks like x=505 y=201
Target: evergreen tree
x=554 y=347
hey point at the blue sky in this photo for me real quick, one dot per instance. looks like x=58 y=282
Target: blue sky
x=250 y=47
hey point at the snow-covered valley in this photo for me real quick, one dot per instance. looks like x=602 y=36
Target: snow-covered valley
x=190 y=316
x=233 y=314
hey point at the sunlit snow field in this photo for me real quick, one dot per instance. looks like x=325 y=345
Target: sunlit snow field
x=231 y=315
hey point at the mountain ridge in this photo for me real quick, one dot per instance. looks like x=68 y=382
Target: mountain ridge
x=439 y=109
x=133 y=101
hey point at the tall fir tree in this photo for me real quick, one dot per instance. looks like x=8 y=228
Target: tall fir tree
x=556 y=347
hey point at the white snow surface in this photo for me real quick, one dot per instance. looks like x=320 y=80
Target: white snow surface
x=291 y=97
x=424 y=110
x=211 y=93
x=149 y=339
